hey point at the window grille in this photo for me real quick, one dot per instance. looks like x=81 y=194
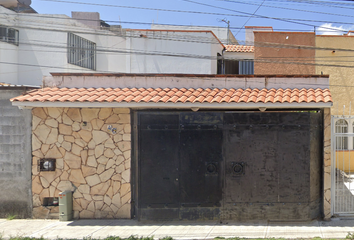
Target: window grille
x=341 y=141
x=246 y=67
x=9 y=35
x=239 y=67
x=81 y=52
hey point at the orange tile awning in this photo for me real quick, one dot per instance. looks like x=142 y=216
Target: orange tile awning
x=239 y=48
x=175 y=95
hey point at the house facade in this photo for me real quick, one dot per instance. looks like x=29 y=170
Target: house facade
x=182 y=147
x=34 y=45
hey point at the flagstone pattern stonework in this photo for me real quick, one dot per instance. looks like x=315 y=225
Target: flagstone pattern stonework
x=91 y=159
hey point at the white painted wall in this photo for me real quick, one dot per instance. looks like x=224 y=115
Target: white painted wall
x=8 y=63
x=220 y=32
x=238 y=55
x=172 y=52
x=8 y=52
x=168 y=81
x=43 y=47
x=47 y=48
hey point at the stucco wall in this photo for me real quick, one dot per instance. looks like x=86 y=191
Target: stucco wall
x=43 y=47
x=45 y=51
x=281 y=53
x=172 y=52
x=91 y=160
x=9 y=56
x=15 y=155
x=341 y=76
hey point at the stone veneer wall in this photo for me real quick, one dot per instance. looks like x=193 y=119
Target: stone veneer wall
x=91 y=160
x=327 y=162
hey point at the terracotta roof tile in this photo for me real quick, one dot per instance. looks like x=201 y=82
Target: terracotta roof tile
x=182 y=99
x=183 y=95
x=239 y=48
x=172 y=99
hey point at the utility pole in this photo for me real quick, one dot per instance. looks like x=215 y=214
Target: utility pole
x=228 y=28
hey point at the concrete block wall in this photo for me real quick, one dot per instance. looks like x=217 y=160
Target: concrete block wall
x=15 y=157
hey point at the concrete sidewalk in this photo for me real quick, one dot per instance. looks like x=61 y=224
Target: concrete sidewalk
x=52 y=229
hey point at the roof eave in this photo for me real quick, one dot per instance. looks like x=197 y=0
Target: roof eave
x=169 y=105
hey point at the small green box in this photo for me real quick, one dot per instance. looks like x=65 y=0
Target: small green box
x=65 y=206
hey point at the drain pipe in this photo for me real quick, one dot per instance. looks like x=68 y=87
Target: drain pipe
x=222 y=61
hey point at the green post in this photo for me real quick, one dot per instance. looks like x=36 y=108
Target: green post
x=65 y=206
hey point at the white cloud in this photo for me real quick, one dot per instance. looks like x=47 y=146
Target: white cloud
x=329 y=29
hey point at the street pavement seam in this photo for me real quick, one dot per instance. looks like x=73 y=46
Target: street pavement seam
x=320 y=226
x=42 y=229
x=151 y=234
x=210 y=231
x=91 y=234
x=266 y=230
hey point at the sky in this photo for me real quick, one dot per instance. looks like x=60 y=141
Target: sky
x=324 y=17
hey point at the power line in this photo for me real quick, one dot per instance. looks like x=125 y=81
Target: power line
x=255 y=15
x=283 y=19
x=168 y=24
x=291 y=9
x=144 y=52
x=187 y=37
x=138 y=23
x=180 y=55
x=314 y=2
x=250 y=17
x=143 y=8
x=196 y=40
x=246 y=14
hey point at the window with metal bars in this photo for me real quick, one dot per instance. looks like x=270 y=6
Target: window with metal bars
x=245 y=67
x=81 y=52
x=341 y=141
x=9 y=35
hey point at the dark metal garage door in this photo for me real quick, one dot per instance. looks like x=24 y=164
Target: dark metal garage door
x=225 y=165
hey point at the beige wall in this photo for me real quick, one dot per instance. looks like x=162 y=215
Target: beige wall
x=91 y=160
x=327 y=163
x=340 y=78
x=277 y=53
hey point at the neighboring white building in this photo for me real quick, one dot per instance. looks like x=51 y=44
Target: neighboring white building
x=172 y=51
x=222 y=33
x=34 y=45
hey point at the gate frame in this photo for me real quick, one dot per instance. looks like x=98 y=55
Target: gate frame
x=335 y=118
x=326 y=168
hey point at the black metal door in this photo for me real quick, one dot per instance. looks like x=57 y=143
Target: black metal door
x=250 y=142
x=200 y=165
x=158 y=166
x=267 y=162
x=229 y=165
x=180 y=172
